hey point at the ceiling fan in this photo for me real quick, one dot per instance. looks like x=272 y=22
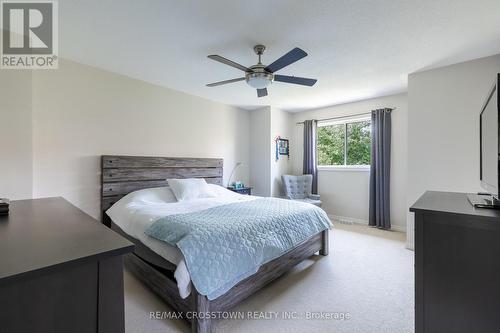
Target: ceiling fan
x=261 y=76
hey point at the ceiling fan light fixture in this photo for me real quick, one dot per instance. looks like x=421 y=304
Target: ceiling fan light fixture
x=259 y=80
x=260 y=76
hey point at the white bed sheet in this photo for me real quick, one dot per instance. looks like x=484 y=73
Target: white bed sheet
x=135 y=212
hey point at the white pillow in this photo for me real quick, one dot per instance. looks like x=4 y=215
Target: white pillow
x=150 y=196
x=191 y=188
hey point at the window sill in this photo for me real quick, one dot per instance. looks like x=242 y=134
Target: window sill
x=357 y=168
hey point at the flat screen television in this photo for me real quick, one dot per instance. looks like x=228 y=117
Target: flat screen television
x=490 y=144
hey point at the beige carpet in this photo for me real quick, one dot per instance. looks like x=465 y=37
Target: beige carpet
x=367 y=278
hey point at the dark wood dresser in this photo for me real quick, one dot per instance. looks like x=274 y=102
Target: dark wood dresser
x=60 y=270
x=457 y=265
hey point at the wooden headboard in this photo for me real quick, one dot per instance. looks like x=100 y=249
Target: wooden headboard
x=124 y=174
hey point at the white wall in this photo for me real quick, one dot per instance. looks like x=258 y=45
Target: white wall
x=443 y=131
x=16 y=160
x=346 y=193
x=281 y=125
x=265 y=171
x=57 y=123
x=260 y=151
x=81 y=112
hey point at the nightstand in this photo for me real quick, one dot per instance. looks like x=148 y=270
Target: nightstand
x=243 y=190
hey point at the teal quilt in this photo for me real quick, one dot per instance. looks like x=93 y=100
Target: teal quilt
x=225 y=244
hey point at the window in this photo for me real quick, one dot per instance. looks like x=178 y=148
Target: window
x=344 y=143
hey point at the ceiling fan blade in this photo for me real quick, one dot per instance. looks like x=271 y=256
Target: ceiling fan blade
x=289 y=58
x=229 y=62
x=262 y=92
x=225 y=82
x=295 y=80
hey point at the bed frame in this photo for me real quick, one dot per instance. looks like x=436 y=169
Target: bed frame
x=124 y=174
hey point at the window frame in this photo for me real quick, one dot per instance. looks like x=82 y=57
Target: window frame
x=344 y=121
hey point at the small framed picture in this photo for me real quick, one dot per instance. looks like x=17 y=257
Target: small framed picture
x=282 y=147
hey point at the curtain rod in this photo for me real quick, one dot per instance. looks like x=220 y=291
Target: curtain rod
x=347 y=116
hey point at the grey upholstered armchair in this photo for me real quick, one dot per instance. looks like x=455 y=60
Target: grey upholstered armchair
x=299 y=188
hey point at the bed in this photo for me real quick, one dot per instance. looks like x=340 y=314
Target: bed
x=122 y=175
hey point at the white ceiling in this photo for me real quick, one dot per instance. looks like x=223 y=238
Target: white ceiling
x=357 y=49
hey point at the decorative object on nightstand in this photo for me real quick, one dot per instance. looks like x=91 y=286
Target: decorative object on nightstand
x=299 y=188
x=241 y=190
x=232 y=173
x=4 y=206
x=238 y=185
x=282 y=147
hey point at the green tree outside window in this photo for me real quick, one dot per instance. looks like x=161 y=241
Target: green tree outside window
x=344 y=144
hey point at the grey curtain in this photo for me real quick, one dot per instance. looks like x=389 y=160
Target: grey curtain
x=380 y=171
x=310 y=165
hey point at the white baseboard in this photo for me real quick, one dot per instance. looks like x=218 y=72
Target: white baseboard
x=347 y=220
x=352 y=220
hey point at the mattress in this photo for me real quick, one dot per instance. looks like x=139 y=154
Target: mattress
x=143 y=252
